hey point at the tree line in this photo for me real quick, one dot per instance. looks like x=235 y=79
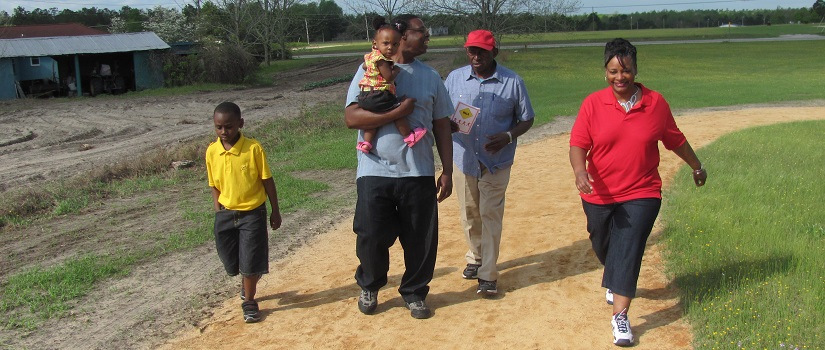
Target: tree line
x=256 y=31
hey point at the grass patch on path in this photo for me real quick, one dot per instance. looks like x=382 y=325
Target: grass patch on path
x=747 y=251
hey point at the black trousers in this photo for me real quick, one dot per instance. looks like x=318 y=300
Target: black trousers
x=403 y=208
x=618 y=234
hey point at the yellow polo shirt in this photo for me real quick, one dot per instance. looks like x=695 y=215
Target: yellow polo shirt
x=238 y=173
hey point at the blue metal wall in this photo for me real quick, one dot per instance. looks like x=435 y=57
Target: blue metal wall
x=148 y=72
x=7 y=89
x=46 y=70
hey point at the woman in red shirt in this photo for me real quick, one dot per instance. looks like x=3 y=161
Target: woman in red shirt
x=615 y=157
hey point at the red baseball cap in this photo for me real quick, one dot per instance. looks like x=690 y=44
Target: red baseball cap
x=481 y=38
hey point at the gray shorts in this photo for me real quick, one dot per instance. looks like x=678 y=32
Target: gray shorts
x=241 y=239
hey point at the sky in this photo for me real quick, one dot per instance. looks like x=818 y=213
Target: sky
x=600 y=6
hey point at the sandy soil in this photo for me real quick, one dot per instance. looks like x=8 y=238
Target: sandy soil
x=551 y=296
x=550 y=280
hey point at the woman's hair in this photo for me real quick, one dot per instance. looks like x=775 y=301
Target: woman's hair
x=379 y=23
x=621 y=49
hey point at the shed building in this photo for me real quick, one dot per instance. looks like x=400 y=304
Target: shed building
x=81 y=64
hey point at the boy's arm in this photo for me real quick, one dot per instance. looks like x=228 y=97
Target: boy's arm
x=272 y=193
x=216 y=193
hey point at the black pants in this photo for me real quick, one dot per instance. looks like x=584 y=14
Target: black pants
x=618 y=234
x=390 y=208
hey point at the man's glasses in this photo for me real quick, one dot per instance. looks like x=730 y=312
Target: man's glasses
x=422 y=30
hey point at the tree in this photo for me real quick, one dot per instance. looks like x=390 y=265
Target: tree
x=37 y=16
x=332 y=20
x=387 y=8
x=131 y=19
x=169 y=24
x=498 y=16
x=282 y=23
x=819 y=8
x=5 y=19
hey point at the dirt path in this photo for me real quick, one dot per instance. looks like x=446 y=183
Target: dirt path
x=550 y=295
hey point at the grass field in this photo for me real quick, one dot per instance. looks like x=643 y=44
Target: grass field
x=689 y=76
x=587 y=37
x=747 y=250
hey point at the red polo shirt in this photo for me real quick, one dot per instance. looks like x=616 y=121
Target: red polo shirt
x=623 y=151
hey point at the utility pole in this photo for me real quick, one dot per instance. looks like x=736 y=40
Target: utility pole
x=307 y=26
x=366 y=25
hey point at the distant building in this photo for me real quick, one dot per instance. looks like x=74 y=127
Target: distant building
x=32 y=65
x=48 y=30
x=439 y=31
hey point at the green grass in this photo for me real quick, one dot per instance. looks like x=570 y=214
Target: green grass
x=589 y=36
x=688 y=75
x=43 y=293
x=747 y=251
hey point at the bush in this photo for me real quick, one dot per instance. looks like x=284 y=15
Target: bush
x=216 y=63
x=227 y=64
x=181 y=70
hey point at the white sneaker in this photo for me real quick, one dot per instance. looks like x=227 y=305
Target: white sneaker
x=622 y=336
x=608 y=295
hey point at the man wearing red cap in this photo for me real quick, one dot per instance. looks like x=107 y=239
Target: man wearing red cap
x=483 y=155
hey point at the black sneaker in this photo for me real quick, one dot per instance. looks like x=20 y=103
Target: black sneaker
x=251 y=314
x=368 y=302
x=486 y=287
x=470 y=272
x=419 y=310
x=243 y=297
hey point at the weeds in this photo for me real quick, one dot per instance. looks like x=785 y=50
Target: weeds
x=71 y=196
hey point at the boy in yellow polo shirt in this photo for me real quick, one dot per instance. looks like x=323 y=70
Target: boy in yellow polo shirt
x=241 y=182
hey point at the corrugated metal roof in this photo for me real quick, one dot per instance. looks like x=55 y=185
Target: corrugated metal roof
x=70 y=45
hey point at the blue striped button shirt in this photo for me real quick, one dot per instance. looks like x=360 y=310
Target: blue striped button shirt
x=503 y=101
